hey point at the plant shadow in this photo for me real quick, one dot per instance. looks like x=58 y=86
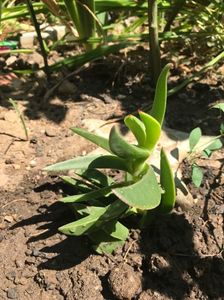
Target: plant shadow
x=119 y=79
x=60 y=252
x=173 y=267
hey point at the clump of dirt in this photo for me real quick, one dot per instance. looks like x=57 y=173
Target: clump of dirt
x=124 y=282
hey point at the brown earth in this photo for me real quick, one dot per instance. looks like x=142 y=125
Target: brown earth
x=179 y=257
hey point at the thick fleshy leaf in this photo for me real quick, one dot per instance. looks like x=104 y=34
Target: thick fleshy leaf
x=123 y=149
x=153 y=130
x=194 y=138
x=137 y=128
x=88 y=196
x=84 y=209
x=96 y=177
x=83 y=225
x=112 y=235
x=197 y=175
x=90 y=162
x=167 y=183
x=79 y=185
x=159 y=104
x=93 y=221
x=92 y=137
x=109 y=246
x=143 y=194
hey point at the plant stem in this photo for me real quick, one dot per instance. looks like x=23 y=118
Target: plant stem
x=154 y=59
x=21 y=117
x=0 y=13
x=39 y=37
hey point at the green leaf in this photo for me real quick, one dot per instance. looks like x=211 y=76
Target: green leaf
x=143 y=194
x=207 y=153
x=94 y=138
x=116 y=230
x=219 y=106
x=84 y=209
x=109 y=162
x=197 y=175
x=153 y=130
x=88 y=196
x=222 y=128
x=83 y=225
x=107 y=246
x=90 y=162
x=79 y=185
x=96 y=177
x=159 y=104
x=95 y=220
x=112 y=236
x=216 y=145
x=123 y=149
x=194 y=138
x=137 y=128
x=167 y=183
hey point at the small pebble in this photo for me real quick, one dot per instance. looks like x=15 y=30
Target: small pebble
x=9 y=219
x=30 y=290
x=9 y=161
x=19 y=263
x=84 y=152
x=36 y=252
x=33 y=163
x=28 y=252
x=2 y=226
x=12 y=293
x=11 y=275
x=16 y=167
x=33 y=140
x=50 y=132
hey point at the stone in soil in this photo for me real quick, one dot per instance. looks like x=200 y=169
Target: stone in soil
x=124 y=282
x=12 y=293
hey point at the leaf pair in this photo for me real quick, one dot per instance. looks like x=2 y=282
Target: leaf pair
x=146 y=131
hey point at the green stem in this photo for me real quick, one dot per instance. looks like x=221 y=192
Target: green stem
x=16 y=51
x=40 y=40
x=155 y=60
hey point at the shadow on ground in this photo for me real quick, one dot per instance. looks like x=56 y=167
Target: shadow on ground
x=123 y=80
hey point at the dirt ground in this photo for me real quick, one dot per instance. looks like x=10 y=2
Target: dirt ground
x=179 y=257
